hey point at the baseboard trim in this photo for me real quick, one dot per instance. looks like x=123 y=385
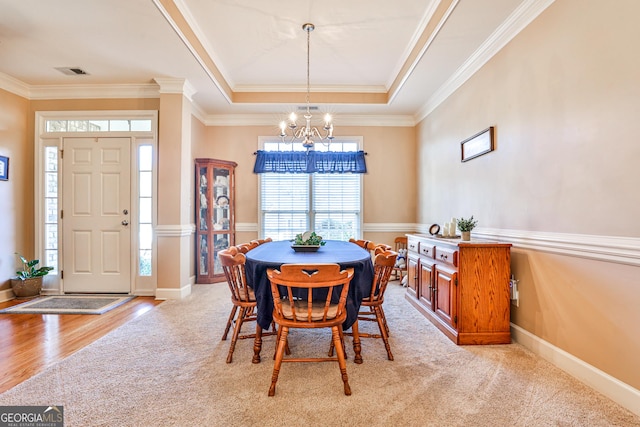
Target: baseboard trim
x=616 y=390
x=144 y=292
x=6 y=295
x=173 y=293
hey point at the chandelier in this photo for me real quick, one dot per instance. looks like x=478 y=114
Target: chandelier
x=290 y=132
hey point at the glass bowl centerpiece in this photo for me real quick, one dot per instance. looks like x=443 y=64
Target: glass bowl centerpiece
x=308 y=241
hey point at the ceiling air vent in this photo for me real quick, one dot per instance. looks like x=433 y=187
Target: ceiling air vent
x=311 y=108
x=72 y=71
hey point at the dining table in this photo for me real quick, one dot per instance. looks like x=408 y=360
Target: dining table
x=276 y=253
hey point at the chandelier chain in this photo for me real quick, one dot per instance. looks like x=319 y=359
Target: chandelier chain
x=308 y=133
x=308 y=29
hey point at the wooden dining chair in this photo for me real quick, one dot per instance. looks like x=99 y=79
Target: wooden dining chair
x=243 y=300
x=246 y=247
x=372 y=247
x=302 y=297
x=364 y=244
x=380 y=247
x=371 y=306
x=262 y=241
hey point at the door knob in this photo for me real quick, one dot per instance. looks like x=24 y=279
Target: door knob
x=125 y=222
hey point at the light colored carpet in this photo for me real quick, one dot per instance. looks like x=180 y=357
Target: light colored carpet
x=167 y=368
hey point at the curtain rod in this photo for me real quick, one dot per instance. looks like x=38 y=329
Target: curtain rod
x=365 y=153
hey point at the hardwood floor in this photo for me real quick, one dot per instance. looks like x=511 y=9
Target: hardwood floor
x=29 y=343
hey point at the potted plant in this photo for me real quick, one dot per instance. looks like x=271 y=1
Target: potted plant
x=28 y=282
x=465 y=226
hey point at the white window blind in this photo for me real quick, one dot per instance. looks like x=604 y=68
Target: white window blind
x=328 y=204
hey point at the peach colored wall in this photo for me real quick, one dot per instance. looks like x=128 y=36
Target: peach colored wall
x=16 y=194
x=389 y=186
x=563 y=96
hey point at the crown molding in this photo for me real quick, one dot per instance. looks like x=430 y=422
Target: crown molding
x=175 y=85
x=338 y=119
x=105 y=91
x=190 y=34
x=14 y=86
x=522 y=16
x=315 y=89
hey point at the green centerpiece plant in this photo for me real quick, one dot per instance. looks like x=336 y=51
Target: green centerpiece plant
x=308 y=238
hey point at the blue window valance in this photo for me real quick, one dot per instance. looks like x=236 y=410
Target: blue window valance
x=310 y=162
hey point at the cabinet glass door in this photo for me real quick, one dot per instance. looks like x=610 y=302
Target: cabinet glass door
x=203 y=197
x=220 y=219
x=220 y=241
x=203 y=246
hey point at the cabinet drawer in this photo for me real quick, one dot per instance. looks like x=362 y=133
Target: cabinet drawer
x=449 y=256
x=427 y=250
x=412 y=245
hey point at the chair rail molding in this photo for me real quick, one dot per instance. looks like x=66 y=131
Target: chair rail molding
x=179 y=230
x=383 y=227
x=246 y=227
x=621 y=250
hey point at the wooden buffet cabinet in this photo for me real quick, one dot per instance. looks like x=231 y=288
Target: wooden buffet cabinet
x=461 y=287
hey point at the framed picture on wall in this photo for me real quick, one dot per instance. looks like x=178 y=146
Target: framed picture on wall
x=477 y=145
x=4 y=168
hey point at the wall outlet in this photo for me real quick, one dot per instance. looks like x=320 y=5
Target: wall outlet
x=515 y=294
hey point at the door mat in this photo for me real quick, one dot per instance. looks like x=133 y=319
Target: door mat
x=69 y=304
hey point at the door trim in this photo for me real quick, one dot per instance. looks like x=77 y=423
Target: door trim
x=53 y=284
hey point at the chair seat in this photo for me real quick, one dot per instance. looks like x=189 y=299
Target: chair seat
x=250 y=294
x=317 y=311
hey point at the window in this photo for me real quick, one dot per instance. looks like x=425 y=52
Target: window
x=51 y=208
x=329 y=204
x=145 y=209
x=113 y=125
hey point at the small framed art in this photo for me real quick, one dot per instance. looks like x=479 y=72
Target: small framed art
x=479 y=144
x=4 y=168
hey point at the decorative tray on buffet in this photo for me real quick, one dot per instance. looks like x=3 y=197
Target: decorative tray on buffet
x=440 y=236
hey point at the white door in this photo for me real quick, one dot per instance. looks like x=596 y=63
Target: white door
x=96 y=237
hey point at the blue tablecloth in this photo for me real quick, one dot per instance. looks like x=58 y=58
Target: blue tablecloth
x=274 y=254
